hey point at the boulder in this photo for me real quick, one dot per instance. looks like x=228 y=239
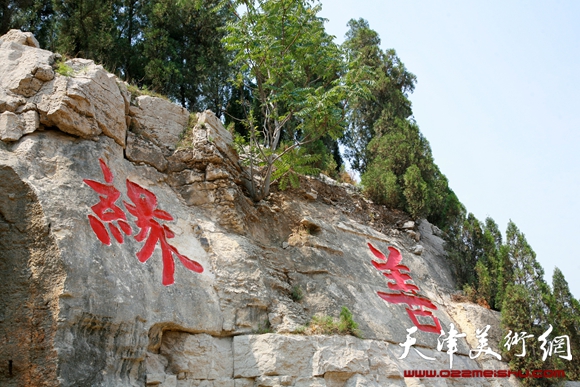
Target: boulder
x=11 y=128
x=201 y=355
x=210 y=129
x=418 y=249
x=24 y=69
x=10 y=101
x=14 y=126
x=159 y=121
x=141 y=151
x=85 y=104
x=24 y=38
x=311 y=195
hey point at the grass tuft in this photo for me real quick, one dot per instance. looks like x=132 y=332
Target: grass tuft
x=137 y=92
x=327 y=325
x=265 y=327
x=297 y=293
x=63 y=69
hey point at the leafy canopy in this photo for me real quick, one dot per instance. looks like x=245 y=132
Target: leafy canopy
x=296 y=76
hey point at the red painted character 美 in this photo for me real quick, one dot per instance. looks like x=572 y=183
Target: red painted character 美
x=406 y=293
x=106 y=210
x=146 y=211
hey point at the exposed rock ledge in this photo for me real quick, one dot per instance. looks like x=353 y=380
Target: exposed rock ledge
x=77 y=311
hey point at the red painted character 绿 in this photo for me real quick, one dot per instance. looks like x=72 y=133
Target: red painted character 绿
x=406 y=293
x=146 y=212
x=106 y=209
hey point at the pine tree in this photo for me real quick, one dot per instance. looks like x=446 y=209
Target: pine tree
x=86 y=29
x=488 y=265
x=38 y=17
x=518 y=316
x=402 y=174
x=566 y=319
x=390 y=84
x=527 y=301
x=185 y=58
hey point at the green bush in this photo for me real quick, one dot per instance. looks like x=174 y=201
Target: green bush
x=297 y=293
x=346 y=324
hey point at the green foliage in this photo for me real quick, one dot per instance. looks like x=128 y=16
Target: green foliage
x=327 y=325
x=347 y=324
x=291 y=164
x=185 y=58
x=384 y=143
x=415 y=191
x=137 y=91
x=323 y=325
x=403 y=175
x=565 y=316
x=63 y=69
x=465 y=250
x=297 y=81
x=8 y=13
x=169 y=47
x=527 y=304
x=517 y=316
x=85 y=29
x=186 y=137
x=297 y=293
x=36 y=16
x=389 y=85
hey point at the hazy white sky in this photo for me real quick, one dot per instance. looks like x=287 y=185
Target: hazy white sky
x=498 y=98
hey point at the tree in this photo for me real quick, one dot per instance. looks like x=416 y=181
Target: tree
x=518 y=316
x=487 y=268
x=402 y=174
x=38 y=17
x=86 y=29
x=130 y=21
x=185 y=58
x=8 y=8
x=297 y=78
x=527 y=301
x=466 y=251
x=566 y=319
x=390 y=84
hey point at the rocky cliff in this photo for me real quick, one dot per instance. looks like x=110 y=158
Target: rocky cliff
x=130 y=256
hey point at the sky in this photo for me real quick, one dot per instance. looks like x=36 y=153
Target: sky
x=498 y=98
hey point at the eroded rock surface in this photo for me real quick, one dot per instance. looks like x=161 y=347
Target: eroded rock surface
x=159 y=121
x=85 y=104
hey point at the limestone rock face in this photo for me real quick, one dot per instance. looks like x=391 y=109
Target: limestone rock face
x=24 y=38
x=85 y=104
x=142 y=151
x=146 y=264
x=10 y=101
x=13 y=126
x=24 y=69
x=159 y=121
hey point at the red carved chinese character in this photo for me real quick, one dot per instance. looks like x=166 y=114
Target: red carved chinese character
x=145 y=210
x=106 y=209
x=406 y=293
x=395 y=274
